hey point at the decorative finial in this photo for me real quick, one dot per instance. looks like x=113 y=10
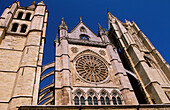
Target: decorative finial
x=62 y=18
x=80 y=19
x=99 y=26
x=63 y=24
x=33 y=3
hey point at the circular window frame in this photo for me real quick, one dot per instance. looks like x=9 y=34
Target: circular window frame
x=98 y=57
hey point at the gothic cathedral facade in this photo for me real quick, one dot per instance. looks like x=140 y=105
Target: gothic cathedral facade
x=117 y=69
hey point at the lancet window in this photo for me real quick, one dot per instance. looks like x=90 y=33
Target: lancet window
x=94 y=98
x=116 y=99
x=104 y=98
x=79 y=98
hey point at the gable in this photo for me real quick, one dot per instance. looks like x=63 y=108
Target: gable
x=82 y=30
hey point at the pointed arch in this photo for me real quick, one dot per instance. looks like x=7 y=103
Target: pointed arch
x=79 y=90
x=116 y=97
x=104 y=91
x=79 y=97
x=93 y=91
x=116 y=91
x=89 y=51
x=84 y=37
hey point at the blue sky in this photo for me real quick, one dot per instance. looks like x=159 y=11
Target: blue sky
x=152 y=17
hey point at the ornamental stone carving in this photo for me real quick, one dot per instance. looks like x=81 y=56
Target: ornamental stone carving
x=74 y=49
x=102 y=52
x=91 y=68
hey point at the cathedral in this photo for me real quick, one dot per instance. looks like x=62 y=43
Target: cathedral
x=116 y=69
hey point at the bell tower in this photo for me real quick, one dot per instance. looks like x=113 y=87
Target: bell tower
x=22 y=37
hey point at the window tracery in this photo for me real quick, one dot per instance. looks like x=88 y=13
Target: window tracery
x=105 y=100
x=91 y=68
x=84 y=37
x=94 y=98
x=116 y=99
x=79 y=98
x=82 y=29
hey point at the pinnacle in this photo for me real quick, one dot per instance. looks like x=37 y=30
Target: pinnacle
x=63 y=24
x=41 y=3
x=33 y=3
x=109 y=14
x=80 y=19
x=99 y=26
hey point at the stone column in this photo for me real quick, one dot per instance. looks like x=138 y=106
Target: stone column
x=62 y=68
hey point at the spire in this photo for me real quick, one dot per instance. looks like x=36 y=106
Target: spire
x=63 y=25
x=99 y=27
x=101 y=31
x=80 y=19
x=56 y=39
x=110 y=15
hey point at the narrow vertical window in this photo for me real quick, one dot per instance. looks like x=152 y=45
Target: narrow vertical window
x=23 y=28
x=19 y=15
x=107 y=101
x=102 y=101
x=14 y=27
x=148 y=61
x=76 y=100
x=95 y=100
x=114 y=100
x=28 y=16
x=82 y=100
x=90 y=100
x=119 y=100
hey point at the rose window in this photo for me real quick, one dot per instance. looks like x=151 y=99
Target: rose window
x=91 y=68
